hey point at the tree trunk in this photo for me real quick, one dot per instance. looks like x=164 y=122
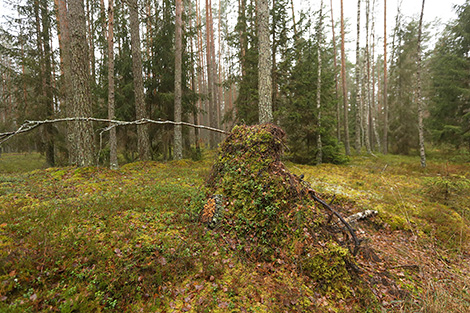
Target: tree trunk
x=143 y=140
x=357 y=143
x=367 y=87
x=422 y=152
x=319 y=85
x=81 y=141
x=113 y=160
x=338 y=109
x=210 y=74
x=343 y=83
x=65 y=84
x=385 y=90
x=48 y=85
x=264 y=64
x=178 y=151
x=91 y=38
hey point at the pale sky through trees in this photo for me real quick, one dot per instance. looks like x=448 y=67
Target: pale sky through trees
x=433 y=10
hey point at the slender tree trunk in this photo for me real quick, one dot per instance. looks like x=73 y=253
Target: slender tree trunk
x=215 y=90
x=319 y=85
x=194 y=87
x=82 y=141
x=143 y=140
x=113 y=160
x=343 y=83
x=210 y=75
x=335 y=65
x=374 y=103
x=49 y=129
x=178 y=151
x=367 y=95
x=221 y=72
x=385 y=92
x=422 y=152
x=242 y=33
x=91 y=40
x=264 y=64
x=64 y=49
x=357 y=143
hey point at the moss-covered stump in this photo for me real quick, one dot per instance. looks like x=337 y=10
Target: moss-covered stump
x=267 y=213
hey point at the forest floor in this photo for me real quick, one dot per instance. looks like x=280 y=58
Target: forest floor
x=94 y=239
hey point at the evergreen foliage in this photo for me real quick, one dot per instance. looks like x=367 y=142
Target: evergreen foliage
x=450 y=106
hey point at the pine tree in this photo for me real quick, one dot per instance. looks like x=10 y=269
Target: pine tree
x=143 y=140
x=385 y=85
x=82 y=139
x=358 y=116
x=319 y=83
x=178 y=152
x=343 y=84
x=113 y=160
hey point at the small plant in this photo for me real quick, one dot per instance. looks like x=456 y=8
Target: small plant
x=445 y=187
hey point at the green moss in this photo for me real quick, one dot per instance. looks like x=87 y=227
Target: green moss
x=327 y=265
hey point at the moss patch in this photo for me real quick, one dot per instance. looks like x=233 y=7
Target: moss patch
x=269 y=215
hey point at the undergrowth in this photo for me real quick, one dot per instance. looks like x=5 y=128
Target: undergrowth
x=94 y=240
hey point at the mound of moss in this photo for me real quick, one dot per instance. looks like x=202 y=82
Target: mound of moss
x=267 y=212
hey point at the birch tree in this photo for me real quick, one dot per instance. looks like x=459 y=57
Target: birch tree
x=422 y=152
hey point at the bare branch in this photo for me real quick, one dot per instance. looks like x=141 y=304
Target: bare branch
x=30 y=125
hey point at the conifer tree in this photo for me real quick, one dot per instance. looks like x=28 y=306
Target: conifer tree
x=178 y=152
x=343 y=84
x=113 y=160
x=82 y=139
x=143 y=140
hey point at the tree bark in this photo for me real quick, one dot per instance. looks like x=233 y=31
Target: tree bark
x=366 y=117
x=385 y=90
x=264 y=64
x=210 y=74
x=82 y=139
x=422 y=152
x=319 y=156
x=338 y=108
x=113 y=160
x=357 y=143
x=48 y=84
x=143 y=140
x=343 y=83
x=178 y=150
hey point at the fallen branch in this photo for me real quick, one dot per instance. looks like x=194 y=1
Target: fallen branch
x=357 y=242
x=30 y=125
x=312 y=194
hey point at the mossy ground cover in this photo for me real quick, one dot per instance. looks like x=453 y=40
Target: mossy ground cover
x=93 y=239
